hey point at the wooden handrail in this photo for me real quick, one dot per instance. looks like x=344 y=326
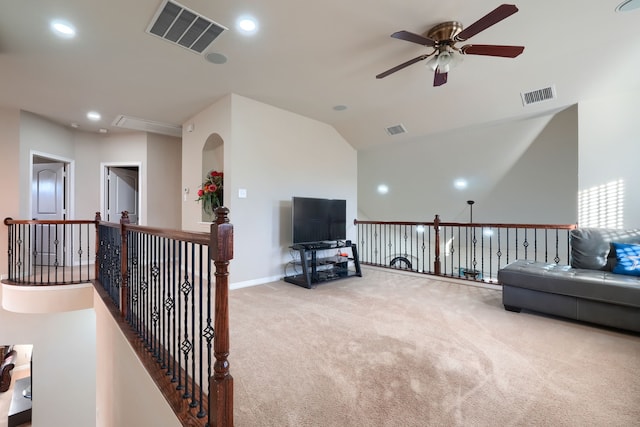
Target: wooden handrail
x=11 y=221
x=471 y=224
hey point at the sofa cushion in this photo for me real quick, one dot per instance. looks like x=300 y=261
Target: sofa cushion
x=591 y=247
x=564 y=280
x=627 y=259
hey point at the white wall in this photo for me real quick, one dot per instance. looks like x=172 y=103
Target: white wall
x=609 y=148
x=506 y=165
x=9 y=173
x=126 y=395
x=64 y=367
x=275 y=155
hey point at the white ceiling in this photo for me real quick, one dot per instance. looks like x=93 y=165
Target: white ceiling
x=309 y=57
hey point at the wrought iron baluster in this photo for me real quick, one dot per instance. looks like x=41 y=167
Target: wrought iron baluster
x=193 y=402
x=208 y=333
x=155 y=285
x=499 y=253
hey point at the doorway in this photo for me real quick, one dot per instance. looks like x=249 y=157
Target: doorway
x=49 y=201
x=122 y=192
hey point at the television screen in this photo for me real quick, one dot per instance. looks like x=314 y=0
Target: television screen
x=318 y=220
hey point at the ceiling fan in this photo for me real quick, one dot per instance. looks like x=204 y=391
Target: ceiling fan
x=443 y=37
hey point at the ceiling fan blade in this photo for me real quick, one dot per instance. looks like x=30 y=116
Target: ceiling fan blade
x=401 y=66
x=439 y=78
x=498 y=14
x=414 y=38
x=492 y=50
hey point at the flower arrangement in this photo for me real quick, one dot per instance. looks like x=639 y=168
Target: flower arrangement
x=210 y=193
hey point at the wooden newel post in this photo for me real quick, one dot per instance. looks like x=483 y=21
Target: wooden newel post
x=221 y=384
x=436 y=262
x=124 y=282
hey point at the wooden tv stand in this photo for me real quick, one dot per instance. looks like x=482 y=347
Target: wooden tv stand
x=318 y=268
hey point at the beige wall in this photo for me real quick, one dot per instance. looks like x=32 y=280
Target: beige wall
x=125 y=395
x=609 y=148
x=274 y=155
x=214 y=119
x=545 y=175
x=164 y=181
x=45 y=138
x=513 y=171
x=158 y=158
x=64 y=363
x=9 y=176
x=93 y=151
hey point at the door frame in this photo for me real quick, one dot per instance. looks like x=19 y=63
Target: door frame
x=142 y=216
x=69 y=196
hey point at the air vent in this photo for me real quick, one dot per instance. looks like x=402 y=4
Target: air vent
x=186 y=28
x=396 y=130
x=144 y=125
x=539 y=95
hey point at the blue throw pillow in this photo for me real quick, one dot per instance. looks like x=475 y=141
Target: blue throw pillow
x=627 y=259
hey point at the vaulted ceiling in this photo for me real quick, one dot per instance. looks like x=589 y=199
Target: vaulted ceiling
x=309 y=57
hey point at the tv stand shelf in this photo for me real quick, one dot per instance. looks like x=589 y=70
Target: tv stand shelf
x=318 y=268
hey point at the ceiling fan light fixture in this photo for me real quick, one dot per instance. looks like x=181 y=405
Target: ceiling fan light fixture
x=432 y=63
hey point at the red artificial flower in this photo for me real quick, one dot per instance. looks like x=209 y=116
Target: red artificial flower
x=212 y=188
x=200 y=192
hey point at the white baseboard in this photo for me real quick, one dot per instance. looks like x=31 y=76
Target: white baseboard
x=254 y=282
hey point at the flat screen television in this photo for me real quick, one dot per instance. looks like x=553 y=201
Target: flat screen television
x=318 y=220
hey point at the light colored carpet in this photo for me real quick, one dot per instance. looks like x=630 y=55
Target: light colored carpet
x=392 y=349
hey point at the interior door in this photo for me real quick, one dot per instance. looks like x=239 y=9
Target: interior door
x=122 y=193
x=47 y=204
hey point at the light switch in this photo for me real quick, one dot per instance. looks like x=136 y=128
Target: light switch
x=242 y=193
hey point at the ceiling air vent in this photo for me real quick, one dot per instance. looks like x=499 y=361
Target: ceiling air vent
x=128 y=122
x=539 y=95
x=179 y=25
x=396 y=130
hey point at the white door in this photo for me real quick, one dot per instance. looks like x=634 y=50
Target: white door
x=47 y=203
x=122 y=193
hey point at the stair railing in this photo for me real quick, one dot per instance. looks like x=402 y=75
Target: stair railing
x=468 y=251
x=167 y=289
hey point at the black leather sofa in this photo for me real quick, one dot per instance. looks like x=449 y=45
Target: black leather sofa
x=587 y=290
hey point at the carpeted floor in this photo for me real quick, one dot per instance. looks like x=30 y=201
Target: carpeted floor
x=392 y=349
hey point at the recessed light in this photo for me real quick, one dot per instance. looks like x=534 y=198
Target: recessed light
x=247 y=25
x=340 y=107
x=460 y=183
x=102 y=130
x=383 y=189
x=63 y=29
x=75 y=125
x=94 y=115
